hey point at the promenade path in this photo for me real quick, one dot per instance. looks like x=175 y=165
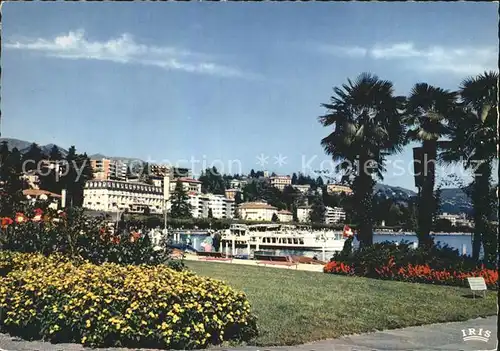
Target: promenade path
x=434 y=337
x=300 y=266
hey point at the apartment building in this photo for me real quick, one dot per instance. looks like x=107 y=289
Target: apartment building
x=303 y=213
x=338 y=188
x=107 y=169
x=160 y=171
x=114 y=195
x=334 y=215
x=201 y=204
x=256 y=211
x=303 y=188
x=190 y=185
x=280 y=182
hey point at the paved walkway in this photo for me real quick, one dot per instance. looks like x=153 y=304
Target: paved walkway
x=300 y=266
x=435 y=337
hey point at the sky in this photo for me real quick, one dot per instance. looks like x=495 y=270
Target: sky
x=235 y=85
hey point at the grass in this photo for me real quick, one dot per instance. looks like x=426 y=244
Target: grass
x=295 y=307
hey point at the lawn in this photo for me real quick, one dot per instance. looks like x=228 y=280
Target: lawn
x=295 y=307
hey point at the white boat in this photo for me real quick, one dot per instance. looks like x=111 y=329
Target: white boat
x=281 y=236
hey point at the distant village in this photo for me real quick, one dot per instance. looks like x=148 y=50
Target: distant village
x=115 y=189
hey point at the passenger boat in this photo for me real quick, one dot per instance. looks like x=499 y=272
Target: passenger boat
x=281 y=236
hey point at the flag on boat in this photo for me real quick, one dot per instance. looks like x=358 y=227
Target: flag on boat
x=347 y=232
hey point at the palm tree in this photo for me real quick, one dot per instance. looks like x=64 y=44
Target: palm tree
x=475 y=144
x=366 y=117
x=427 y=111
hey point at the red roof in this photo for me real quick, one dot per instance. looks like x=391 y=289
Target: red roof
x=38 y=192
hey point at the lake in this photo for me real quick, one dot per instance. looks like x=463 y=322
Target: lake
x=463 y=243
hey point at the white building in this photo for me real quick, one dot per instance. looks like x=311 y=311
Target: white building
x=34 y=195
x=303 y=213
x=114 y=195
x=201 y=204
x=334 y=215
x=238 y=183
x=457 y=219
x=256 y=211
x=303 y=188
x=285 y=216
x=189 y=185
x=338 y=188
x=280 y=182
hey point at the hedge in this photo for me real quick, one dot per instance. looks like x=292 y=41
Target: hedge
x=439 y=265
x=117 y=305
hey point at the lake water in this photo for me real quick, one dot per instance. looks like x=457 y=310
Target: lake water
x=463 y=243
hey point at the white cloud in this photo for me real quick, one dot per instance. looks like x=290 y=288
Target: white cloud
x=124 y=49
x=351 y=51
x=457 y=60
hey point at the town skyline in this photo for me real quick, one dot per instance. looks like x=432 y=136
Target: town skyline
x=115 y=76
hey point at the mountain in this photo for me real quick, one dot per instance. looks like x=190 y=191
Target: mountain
x=394 y=192
x=23 y=146
x=453 y=200
x=15 y=143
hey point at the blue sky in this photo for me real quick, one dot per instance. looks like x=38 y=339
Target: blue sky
x=221 y=81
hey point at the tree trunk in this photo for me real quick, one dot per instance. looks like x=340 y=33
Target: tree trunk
x=363 y=204
x=482 y=205
x=427 y=206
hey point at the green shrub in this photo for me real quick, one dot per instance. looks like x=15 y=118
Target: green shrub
x=117 y=305
x=74 y=234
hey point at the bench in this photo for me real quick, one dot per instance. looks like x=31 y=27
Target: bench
x=213 y=256
x=276 y=261
x=477 y=284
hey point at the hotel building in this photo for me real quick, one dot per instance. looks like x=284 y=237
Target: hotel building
x=280 y=182
x=114 y=195
x=338 y=188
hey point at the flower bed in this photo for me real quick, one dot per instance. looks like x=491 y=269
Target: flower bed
x=401 y=262
x=117 y=305
x=76 y=235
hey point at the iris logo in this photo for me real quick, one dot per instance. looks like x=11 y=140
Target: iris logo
x=476 y=334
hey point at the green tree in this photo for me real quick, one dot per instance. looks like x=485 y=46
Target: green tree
x=238 y=198
x=318 y=209
x=210 y=213
x=290 y=196
x=32 y=158
x=474 y=143
x=319 y=182
x=427 y=111
x=49 y=177
x=212 y=181
x=12 y=185
x=180 y=207
x=77 y=171
x=294 y=178
x=55 y=154
x=275 y=218
x=367 y=122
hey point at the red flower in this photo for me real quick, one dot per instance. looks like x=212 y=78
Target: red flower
x=134 y=236
x=20 y=218
x=6 y=221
